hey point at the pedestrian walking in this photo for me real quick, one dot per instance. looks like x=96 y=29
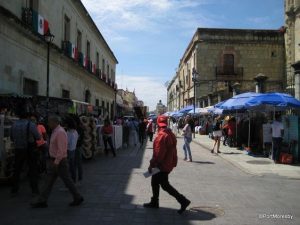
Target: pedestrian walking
x=24 y=135
x=217 y=134
x=78 y=153
x=150 y=129
x=107 y=132
x=165 y=159
x=133 y=132
x=126 y=134
x=42 y=145
x=277 y=136
x=187 y=136
x=72 y=135
x=142 y=131
x=58 y=166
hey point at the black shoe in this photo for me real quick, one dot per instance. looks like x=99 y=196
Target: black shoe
x=152 y=205
x=39 y=205
x=184 y=204
x=77 y=202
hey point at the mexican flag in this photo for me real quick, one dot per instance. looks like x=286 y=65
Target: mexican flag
x=74 y=52
x=39 y=23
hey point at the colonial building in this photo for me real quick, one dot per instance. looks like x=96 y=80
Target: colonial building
x=292 y=43
x=82 y=65
x=160 y=108
x=228 y=61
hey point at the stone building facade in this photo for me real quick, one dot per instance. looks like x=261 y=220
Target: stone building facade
x=292 y=43
x=82 y=65
x=228 y=61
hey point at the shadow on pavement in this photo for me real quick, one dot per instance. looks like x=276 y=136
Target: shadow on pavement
x=231 y=153
x=203 y=162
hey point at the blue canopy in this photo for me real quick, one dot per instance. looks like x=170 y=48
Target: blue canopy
x=186 y=109
x=238 y=102
x=274 y=99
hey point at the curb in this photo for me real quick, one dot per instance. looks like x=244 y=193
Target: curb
x=230 y=161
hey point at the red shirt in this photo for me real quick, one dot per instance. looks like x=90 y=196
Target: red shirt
x=107 y=130
x=41 y=129
x=164 y=151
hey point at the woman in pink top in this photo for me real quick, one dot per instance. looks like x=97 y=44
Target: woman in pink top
x=41 y=144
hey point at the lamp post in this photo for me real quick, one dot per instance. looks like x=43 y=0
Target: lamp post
x=49 y=39
x=195 y=79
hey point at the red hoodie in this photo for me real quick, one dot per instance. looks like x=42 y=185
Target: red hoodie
x=164 y=151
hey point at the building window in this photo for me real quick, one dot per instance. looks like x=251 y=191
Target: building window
x=103 y=65
x=65 y=94
x=97 y=60
x=108 y=71
x=30 y=87
x=107 y=108
x=33 y=4
x=273 y=54
x=97 y=102
x=88 y=49
x=79 y=41
x=67 y=26
x=228 y=63
x=87 y=97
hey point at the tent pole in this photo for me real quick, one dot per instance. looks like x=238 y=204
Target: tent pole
x=249 y=129
x=236 y=127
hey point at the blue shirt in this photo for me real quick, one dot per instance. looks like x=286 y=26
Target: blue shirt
x=19 y=133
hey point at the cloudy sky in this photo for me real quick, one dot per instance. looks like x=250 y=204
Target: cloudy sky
x=149 y=36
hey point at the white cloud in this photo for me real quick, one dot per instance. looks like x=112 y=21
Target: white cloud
x=147 y=89
x=152 y=16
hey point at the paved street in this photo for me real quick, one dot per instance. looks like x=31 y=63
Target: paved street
x=115 y=189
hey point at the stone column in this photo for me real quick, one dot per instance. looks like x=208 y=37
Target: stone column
x=219 y=97
x=296 y=67
x=209 y=100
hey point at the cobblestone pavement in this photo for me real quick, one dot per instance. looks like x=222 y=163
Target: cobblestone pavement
x=115 y=189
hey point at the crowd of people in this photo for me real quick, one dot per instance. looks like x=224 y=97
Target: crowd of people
x=62 y=148
x=35 y=146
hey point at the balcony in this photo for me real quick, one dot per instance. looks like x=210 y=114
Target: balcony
x=224 y=73
x=66 y=47
x=27 y=16
x=98 y=73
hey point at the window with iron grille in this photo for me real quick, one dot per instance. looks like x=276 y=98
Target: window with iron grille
x=65 y=94
x=30 y=87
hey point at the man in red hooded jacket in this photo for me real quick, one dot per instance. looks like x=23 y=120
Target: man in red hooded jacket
x=164 y=158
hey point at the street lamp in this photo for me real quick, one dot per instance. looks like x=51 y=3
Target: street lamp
x=195 y=79
x=49 y=39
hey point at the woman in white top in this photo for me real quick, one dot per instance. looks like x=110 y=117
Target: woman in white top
x=187 y=135
x=217 y=133
x=72 y=135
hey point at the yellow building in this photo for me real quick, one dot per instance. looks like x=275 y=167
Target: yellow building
x=228 y=61
x=292 y=43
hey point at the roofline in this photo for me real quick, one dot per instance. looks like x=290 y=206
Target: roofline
x=95 y=26
x=199 y=29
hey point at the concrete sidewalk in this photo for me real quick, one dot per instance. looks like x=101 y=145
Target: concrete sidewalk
x=258 y=166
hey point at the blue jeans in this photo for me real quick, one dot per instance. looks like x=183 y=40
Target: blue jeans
x=72 y=168
x=186 y=147
x=276 y=148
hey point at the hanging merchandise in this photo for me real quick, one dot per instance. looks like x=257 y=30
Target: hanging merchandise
x=89 y=136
